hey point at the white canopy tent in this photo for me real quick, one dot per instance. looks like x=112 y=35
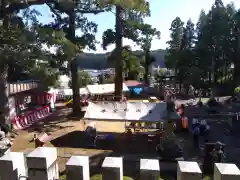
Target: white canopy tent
x=128 y=111
x=68 y=91
x=99 y=89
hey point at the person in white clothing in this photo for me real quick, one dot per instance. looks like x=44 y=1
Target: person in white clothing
x=195 y=121
x=2 y=134
x=203 y=122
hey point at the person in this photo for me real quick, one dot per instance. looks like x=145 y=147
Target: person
x=203 y=125
x=2 y=134
x=129 y=135
x=218 y=153
x=206 y=134
x=196 y=133
x=195 y=122
x=185 y=124
x=200 y=103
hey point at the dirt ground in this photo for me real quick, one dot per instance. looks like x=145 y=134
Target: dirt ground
x=67 y=136
x=58 y=125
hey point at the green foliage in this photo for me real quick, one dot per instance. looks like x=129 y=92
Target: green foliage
x=84 y=79
x=205 y=52
x=46 y=76
x=131 y=62
x=99 y=177
x=237 y=90
x=131 y=21
x=106 y=78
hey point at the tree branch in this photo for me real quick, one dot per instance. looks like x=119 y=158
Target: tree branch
x=16 y=7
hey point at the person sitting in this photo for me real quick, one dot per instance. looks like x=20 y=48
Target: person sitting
x=2 y=134
x=218 y=153
x=206 y=134
x=129 y=134
x=200 y=103
x=195 y=122
x=93 y=135
x=196 y=133
x=202 y=126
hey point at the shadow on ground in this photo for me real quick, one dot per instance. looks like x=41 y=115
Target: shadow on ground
x=131 y=152
x=53 y=122
x=118 y=143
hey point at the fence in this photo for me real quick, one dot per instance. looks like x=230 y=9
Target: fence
x=31 y=117
x=62 y=97
x=41 y=164
x=21 y=86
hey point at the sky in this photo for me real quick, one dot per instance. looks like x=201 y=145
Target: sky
x=163 y=12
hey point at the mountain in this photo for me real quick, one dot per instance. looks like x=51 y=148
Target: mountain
x=99 y=61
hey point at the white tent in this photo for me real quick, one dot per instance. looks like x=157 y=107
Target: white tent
x=99 y=89
x=68 y=92
x=83 y=91
x=128 y=111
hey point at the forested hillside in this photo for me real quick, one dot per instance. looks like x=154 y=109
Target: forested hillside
x=98 y=61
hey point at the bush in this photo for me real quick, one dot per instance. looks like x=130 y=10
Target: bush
x=237 y=90
x=212 y=102
x=99 y=177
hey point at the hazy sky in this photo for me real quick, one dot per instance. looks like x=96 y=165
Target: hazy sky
x=162 y=14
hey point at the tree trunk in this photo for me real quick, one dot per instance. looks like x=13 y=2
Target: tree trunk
x=4 y=108
x=118 y=64
x=75 y=87
x=213 y=77
x=74 y=67
x=236 y=72
x=146 y=67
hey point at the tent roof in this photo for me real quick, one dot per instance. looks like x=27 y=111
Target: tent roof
x=104 y=88
x=129 y=111
x=134 y=83
x=68 y=92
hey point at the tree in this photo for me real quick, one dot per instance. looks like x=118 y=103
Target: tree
x=19 y=48
x=206 y=60
x=84 y=79
x=145 y=42
x=235 y=47
x=106 y=78
x=46 y=76
x=62 y=36
x=131 y=62
x=186 y=54
x=129 y=14
x=172 y=56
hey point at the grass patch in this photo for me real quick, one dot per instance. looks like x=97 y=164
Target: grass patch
x=99 y=177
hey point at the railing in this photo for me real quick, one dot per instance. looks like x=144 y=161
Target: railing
x=21 y=86
x=41 y=164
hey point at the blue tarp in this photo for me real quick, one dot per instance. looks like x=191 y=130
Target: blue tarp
x=136 y=90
